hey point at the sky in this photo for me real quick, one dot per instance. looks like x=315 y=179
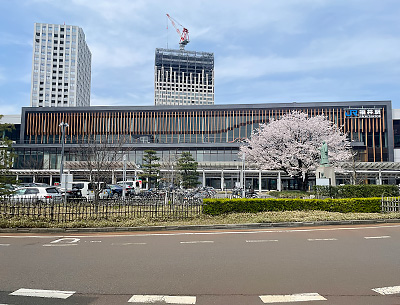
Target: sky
x=265 y=51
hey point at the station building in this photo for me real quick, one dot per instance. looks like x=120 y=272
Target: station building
x=211 y=133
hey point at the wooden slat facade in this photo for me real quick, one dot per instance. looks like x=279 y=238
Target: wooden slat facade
x=219 y=126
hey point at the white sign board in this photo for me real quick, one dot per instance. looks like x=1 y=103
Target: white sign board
x=66 y=182
x=323 y=181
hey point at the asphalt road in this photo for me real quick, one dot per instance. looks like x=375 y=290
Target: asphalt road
x=318 y=265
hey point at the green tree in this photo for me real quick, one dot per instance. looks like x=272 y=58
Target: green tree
x=6 y=158
x=187 y=167
x=151 y=167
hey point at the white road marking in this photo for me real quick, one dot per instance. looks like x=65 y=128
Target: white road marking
x=4 y=245
x=321 y=239
x=300 y=297
x=53 y=294
x=163 y=298
x=127 y=244
x=95 y=241
x=198 y=242
x=387 y=290
x=63 y=242
x=60 y=245
x=377 y=237
x=67 y=240
x=261 y=240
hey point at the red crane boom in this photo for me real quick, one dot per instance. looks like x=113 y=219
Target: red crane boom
x=184 y=36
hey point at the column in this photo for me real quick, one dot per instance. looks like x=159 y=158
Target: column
x=259 y=181
x=222 y=180
x=279 y=183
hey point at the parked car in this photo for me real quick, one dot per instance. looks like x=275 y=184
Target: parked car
x=116 y=190
x=37 y=194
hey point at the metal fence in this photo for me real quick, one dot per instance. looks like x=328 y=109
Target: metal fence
x=390 y=204
x=167 y=207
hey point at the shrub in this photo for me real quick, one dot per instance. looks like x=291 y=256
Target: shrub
x=353 y=205
x=357 y=191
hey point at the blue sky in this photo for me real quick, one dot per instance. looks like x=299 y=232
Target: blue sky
x=265 y=51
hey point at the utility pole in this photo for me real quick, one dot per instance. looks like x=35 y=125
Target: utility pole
x=63 y=126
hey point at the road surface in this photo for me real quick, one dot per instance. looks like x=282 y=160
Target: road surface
x=319 y=265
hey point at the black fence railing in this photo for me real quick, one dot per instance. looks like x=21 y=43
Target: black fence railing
x=166 y=207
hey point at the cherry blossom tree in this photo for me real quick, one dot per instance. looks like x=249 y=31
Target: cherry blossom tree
x=292 y=144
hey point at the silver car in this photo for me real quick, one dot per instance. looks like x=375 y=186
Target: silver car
x=36 y=194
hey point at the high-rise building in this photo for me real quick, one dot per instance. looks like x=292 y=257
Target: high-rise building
x=183 y=77
x=61 y=66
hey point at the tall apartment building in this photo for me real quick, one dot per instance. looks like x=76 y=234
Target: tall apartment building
x=183 y=77
x=61 y=66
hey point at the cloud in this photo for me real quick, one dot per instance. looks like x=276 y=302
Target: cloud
x=321 y=55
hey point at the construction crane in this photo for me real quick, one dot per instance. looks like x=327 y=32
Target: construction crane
x=184 y=36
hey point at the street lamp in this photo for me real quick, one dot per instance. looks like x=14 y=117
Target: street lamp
x=244 y=176
x=63 y=126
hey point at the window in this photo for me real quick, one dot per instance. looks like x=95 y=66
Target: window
x=37 y=34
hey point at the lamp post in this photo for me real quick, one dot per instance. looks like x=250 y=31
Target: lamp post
x=63 y=126
x=244 y=177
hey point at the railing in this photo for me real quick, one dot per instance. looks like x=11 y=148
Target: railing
x=110 y=209
x=390 y=204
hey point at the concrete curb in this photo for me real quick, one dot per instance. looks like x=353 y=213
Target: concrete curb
x=245 y=226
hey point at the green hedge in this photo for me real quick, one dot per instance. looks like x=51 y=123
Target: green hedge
x=357 y=191
x=354 y=205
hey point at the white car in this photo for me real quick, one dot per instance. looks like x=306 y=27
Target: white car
x=36 y=194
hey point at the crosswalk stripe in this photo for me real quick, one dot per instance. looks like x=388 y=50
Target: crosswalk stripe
x=299 y=297
x=54 y=294
x=387 y=290
x=168 y=299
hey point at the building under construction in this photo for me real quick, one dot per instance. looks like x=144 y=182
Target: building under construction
x=183 y=77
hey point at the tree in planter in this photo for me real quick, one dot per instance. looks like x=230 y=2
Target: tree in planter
x=292 y=144
x=6 y=159
x=151 y=168
x=187 y=167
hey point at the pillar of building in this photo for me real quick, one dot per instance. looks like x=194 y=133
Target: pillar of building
x=51 y=179
x=204 y=178
x=222 y=180
x=279 y=183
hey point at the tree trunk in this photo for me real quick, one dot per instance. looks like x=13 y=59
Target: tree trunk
x=302 y=184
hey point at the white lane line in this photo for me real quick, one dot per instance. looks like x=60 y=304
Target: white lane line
x=377 y=237
x=4 y=245
x=300 y=297
x=387 y=290
x=162 y=298
x=198 y=242
x=215 y=233
x=127 y=244
x=321 y=239
x=53 y=294
x=261 y=240
x=95 y=241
